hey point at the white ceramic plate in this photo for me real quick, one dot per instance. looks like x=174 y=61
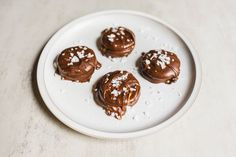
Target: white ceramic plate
x=159 y=104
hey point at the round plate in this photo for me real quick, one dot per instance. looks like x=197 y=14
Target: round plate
x=159 y=104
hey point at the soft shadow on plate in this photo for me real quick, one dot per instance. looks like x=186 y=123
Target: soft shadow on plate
x=44 y=109
x=40 y=101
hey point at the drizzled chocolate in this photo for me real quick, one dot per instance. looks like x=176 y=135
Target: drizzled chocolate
x=77 y=63
x=115 y=91
x=117 y=42
x=160 y=66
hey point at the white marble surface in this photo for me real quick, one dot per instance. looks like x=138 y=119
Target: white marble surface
x=27 y=128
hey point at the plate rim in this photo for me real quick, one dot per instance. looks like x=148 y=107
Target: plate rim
x=112 y=135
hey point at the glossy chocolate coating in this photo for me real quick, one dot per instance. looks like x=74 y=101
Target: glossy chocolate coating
x=77 y=63
x=117 y=42
x=115 y=91
x=160 y=66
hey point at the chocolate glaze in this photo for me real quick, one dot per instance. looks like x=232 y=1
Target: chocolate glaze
x=115 y=91
x=160 y=66
x=77 y=63
x=117 y=42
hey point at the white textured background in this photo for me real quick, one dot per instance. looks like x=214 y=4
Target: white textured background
x=28 y=129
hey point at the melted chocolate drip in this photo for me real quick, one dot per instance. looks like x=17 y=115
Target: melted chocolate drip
x=115 y=91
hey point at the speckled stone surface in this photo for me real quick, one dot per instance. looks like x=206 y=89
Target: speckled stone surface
x=28 y=129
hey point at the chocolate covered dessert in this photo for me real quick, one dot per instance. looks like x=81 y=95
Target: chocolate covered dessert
x=160 y=66
x=77 y=63
x=117 y=42
x=115 y=91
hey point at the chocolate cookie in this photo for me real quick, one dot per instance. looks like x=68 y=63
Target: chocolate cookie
x=160 y=66
x=115 y=91
x=117 y=42
x=77 y=63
